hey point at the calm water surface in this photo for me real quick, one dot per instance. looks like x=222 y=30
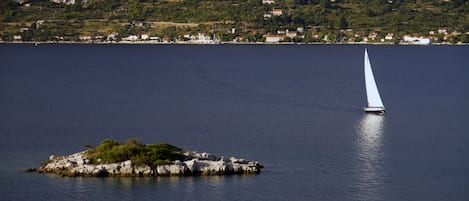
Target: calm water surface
x=296 y=109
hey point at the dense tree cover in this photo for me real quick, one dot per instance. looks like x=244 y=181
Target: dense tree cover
x=110 y=151
x=218 y=17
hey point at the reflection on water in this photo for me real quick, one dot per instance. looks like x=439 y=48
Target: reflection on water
x=369 y=168
x=127 y=188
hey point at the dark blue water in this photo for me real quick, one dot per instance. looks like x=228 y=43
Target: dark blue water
x=296 y=109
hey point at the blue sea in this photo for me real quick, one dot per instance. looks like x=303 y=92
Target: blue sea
x=297 y=109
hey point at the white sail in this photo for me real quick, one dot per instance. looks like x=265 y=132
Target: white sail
x=374 y=99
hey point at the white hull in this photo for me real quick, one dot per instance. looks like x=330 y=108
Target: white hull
x=374 y=109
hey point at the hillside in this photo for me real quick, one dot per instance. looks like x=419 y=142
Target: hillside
x=234 y=20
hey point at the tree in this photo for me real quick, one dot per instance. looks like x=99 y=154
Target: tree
x=307 y=37
x=136 y=11
x=7 y=9
x=464 y=38
x=170 y=33
x=343 y=24
x=324 y=4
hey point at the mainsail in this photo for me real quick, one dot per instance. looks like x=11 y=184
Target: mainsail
x=374 y=99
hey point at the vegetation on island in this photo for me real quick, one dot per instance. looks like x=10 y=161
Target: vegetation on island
x=110 y=151
x=233 y=20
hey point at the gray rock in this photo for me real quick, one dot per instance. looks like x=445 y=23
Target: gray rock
x=195 y=164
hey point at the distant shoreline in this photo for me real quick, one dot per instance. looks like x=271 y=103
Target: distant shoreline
x=222 y=43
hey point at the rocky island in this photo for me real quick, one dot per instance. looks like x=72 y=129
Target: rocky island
x=132 y=158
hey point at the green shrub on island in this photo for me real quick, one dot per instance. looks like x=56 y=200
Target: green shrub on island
x=110 y=151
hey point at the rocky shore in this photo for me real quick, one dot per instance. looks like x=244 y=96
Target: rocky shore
x=195 y=163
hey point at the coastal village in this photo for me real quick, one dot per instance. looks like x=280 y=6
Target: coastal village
x=228 y=32
x=440 y=36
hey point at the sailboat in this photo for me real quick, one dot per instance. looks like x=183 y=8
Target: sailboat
x=375 y=104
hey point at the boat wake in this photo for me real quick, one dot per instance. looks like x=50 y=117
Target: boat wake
x=256 y=96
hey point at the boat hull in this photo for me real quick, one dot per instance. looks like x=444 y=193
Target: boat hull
x=376 y=110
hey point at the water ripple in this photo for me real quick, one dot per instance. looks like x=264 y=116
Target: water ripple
x=369 y=169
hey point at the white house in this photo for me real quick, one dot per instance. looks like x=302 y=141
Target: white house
x=187 y=36
x=202 y=38
x=416 y=40
x=291 y=34
x=442 y=31
x=282 y=31
x=389 y=36
x=274 y=38
x=131 y=38
x=372 y=36
x=238 y=39
x=277 y=11
x=424 y=41
x=112 y=36
x=85 y=38
x=155 y=38
x=268 y=1
x=68 y=2
x=144 y=36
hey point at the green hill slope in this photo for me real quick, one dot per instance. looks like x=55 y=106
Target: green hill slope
x=228 y=20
